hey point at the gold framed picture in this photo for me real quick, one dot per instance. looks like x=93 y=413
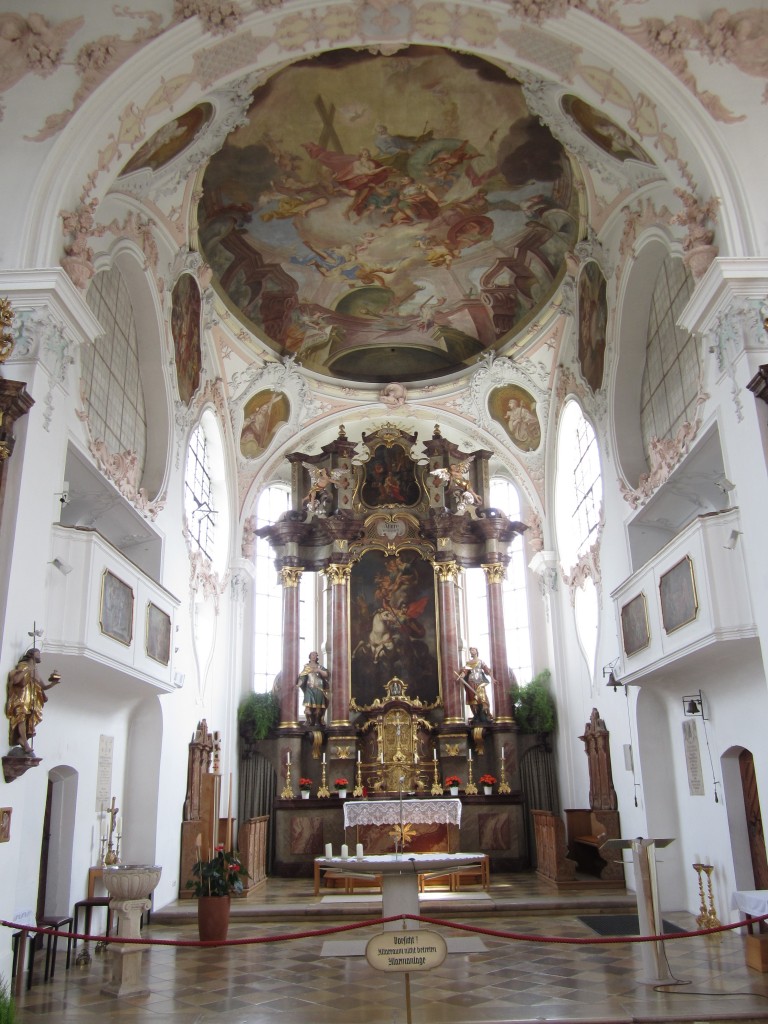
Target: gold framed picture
x=116 y=612
x=158 y=634
x=635 y=631
x=677 y=593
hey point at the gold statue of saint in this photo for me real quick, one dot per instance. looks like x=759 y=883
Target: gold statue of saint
x=26 y=697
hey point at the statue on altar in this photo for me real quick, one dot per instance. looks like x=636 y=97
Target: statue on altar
x=313 y=682
x=26 y=697
x=475 y=676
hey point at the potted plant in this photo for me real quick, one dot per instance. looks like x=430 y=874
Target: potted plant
x=305 y=785
x=214 y=882
x=256 y=715
x=341 y=787
x=487 y=782
x=533 y=706
x=453 y=782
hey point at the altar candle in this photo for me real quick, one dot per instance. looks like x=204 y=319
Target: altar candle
x=415 y=758
x=358 y=757
x=469 y=755
x=328 y=851
x=323 y=758
x=344 y=851
x=287 y=757
x=434 y=755
x=381 y=758
x=359 y=850
x=502 y=753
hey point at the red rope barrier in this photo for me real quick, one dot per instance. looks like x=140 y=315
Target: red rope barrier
x=356 y=925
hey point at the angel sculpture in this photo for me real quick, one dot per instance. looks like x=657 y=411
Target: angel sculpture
x=320 y=480
x=457 y=483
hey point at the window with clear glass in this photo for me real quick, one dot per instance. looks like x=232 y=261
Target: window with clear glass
x=198 y=493
x=111 y=384
x=578 y=486
x=672 y=362
x=503 y=495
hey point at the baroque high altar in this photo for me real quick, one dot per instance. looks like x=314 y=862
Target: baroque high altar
x=392 y=523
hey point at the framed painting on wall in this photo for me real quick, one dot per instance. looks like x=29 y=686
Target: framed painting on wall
x=116 y=613
x=635 y=631
x=158 y=634
x=677 y=593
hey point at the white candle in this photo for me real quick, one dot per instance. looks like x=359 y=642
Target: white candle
x=469 y=755
x=328 y=851
x=287 y=757
x=434 y=755
x=381 y=758
x=415 y=758
x=502 y=753
x=323 y=758
x=359 y=850
x=358 y=757
x=344 y=851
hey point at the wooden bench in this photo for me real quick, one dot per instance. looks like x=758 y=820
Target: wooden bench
x=587 y=830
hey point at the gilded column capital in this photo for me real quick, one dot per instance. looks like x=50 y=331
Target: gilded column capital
x=290 y=575
x=338 y=573
x=446 y=572
x=495 y=572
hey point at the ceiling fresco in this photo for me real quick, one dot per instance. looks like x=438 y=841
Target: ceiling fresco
x=375 y=208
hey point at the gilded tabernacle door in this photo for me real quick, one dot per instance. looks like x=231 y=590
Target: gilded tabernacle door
x=393 y=625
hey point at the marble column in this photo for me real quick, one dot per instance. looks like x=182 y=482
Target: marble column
x=290 y=577
x=502 y=703
x=452 y=693
x=338 y=576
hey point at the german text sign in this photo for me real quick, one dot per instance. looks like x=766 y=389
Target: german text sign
x=406 y=951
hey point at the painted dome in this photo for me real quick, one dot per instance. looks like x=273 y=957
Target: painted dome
x=376 y=208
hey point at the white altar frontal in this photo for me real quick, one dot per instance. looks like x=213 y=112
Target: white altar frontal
x=410 y=812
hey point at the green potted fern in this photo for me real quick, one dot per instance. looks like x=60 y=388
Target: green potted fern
x=256 y=715
x=533 y=706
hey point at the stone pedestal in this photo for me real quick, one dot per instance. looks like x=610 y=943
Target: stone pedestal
x=126 y=958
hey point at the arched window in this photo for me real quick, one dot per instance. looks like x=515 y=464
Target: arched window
x=205 y=493
x=268 y=598
x=503 y=495
x=112 y=391
x=578 y=486
x=672 y=363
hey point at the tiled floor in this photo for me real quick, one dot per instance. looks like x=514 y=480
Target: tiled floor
x=511 y=980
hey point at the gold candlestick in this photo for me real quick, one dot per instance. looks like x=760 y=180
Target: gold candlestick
x=701 y=920
x=287 y=793
x=358 y=790
x=470 y=787
x=437 y=789
x=504 y=786
x=323 y=791
x=713 y=921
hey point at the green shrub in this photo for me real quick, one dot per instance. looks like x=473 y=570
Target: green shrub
x=7 y=1006
x=533 y=705
x=257 y=714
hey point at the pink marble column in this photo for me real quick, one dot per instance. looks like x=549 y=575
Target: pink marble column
x=502 y=703
x=290 y=577
x=338 y=577
x=453 y=695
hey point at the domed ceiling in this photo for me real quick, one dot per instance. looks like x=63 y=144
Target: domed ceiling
x=387 y=217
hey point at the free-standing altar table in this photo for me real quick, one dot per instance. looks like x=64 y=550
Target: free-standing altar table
x=399 y=876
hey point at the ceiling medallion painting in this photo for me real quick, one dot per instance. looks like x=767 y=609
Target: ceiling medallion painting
x=380 y=208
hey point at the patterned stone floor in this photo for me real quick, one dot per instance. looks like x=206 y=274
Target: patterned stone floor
x=512 y=979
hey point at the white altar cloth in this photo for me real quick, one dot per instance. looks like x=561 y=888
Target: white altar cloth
x=415 y=812
x=751 y=901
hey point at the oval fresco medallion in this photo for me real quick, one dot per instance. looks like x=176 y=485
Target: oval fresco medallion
x=376 y=209
x=185 y=328
x=172 y=139
x=262 y=415
x=515 y=409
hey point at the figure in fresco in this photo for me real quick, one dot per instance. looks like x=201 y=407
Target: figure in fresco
x=593 y=318
x=522 y=424
x=475 y=676
x=313 y=682
x=26 y=697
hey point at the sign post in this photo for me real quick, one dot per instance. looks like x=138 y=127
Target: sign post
x=406 y=951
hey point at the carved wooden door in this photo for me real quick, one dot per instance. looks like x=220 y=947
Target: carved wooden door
x=754 y=819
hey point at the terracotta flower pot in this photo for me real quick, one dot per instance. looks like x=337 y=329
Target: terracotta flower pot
x=213 y=918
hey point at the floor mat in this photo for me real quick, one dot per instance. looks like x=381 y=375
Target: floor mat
x=623 y=924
